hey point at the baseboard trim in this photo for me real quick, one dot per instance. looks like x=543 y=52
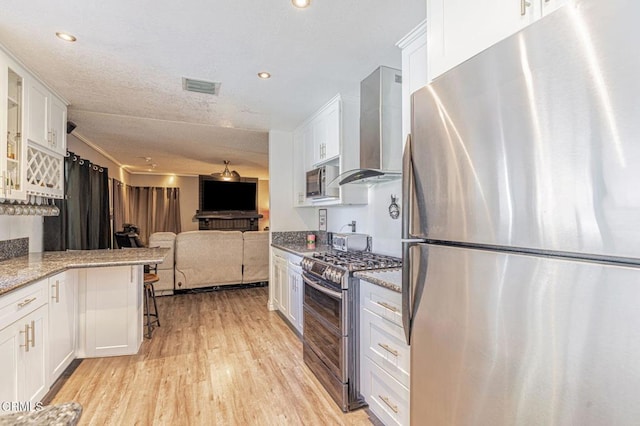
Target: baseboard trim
x=221 y=287
x=57 y=385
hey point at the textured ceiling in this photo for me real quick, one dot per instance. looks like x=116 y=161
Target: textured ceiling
x=123 y=76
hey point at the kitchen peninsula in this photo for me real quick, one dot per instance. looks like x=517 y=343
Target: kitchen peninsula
x=23 y=270
x=58 y=306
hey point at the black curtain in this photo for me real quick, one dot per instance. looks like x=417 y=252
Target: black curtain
x=83 y=223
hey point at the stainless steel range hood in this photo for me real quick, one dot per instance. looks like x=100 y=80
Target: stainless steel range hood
x=380 y=129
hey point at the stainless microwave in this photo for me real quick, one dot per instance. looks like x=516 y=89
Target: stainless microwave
x=318 y=181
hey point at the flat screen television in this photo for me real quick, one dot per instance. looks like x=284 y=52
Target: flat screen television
x=225 y=197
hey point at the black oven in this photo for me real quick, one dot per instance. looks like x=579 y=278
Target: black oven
x=326 y=342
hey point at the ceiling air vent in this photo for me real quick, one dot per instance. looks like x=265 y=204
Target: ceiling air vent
x=200 y=86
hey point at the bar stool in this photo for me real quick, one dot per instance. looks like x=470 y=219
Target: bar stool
x=151 y=318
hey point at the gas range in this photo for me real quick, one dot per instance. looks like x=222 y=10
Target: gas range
x=338 y=266
x=330 y=337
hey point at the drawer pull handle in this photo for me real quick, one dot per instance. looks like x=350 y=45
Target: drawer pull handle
x=33 y=334
x=393 y=407
x=388 y=306
x=26 y=338
x=56 y=297
x=388 y=349
x=25 y=302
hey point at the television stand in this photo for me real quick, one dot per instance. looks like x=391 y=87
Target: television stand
x=240 y=221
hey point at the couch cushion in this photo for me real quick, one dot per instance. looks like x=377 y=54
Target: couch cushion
x=207 y=258
x=256 y=256
x=164 y=239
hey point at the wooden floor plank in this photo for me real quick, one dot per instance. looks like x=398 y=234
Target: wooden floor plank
x=219 y=358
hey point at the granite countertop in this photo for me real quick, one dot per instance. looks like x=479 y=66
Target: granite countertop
x=388 y=278
x=300 y=249
x=19 y=271
x=66 y=414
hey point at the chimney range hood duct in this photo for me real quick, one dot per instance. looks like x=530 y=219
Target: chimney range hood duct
x=380 y=129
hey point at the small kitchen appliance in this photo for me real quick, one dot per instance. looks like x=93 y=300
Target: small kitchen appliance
x=318 y=181
x=351 y=242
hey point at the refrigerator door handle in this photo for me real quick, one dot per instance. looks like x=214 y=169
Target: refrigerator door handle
x=406 y=290
x=408 y=184
x=407 y=188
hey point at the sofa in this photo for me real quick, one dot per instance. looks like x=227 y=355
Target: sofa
x=212 y=258
x=165 y=270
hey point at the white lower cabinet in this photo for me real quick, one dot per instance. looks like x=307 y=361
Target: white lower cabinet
x=278 y=269
x=63 y=321
x=82 y=313
x=110 y=307
x=384 y=354
x=288 y=288
x=23 y=343
x=9 y=353
x=32 y=362
x=296 y=292
x=387 y=398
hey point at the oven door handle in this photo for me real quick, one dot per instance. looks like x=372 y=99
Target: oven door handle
x=321 y=289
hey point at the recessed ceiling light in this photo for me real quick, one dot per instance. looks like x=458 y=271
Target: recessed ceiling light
x=264 y=75
x=66 y=37
x=301 y=4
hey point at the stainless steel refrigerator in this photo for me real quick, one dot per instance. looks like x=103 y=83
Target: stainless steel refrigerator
x=522 y=228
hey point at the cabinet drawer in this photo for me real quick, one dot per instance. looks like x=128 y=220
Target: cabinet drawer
x=384 y=343
x=387 y=398
x=21 y=302
x=381 y=301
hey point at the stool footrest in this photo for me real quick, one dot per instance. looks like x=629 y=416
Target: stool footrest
x=151 y=313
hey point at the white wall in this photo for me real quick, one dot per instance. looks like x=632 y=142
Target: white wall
x=12 y=227
x=372 y=219
x=284 y=217
x=79 y=147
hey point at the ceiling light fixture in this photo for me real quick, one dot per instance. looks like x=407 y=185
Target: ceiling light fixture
x=264 y=75
x=226 y=175
x=66 y=37
x=301 y=4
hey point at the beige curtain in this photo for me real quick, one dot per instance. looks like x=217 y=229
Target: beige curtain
x=120 y=205
x=152 y=209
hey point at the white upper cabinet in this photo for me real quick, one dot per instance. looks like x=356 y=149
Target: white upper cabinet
x=12 y=145
x=300 y=165
x=325 y=132
x=549 y=6
x=47 y=118
x=414 y=69
x=38 y=113
x=33 y=137
x=330 y=124
x=459 y=29
x=58 y=125
x=329 y=137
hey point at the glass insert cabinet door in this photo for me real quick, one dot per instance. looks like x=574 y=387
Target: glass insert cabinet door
x=12 y=150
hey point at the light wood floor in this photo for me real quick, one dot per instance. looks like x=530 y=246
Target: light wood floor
x=219 y=358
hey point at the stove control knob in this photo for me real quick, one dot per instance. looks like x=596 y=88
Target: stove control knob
x=335 y=276
x=328 y=273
